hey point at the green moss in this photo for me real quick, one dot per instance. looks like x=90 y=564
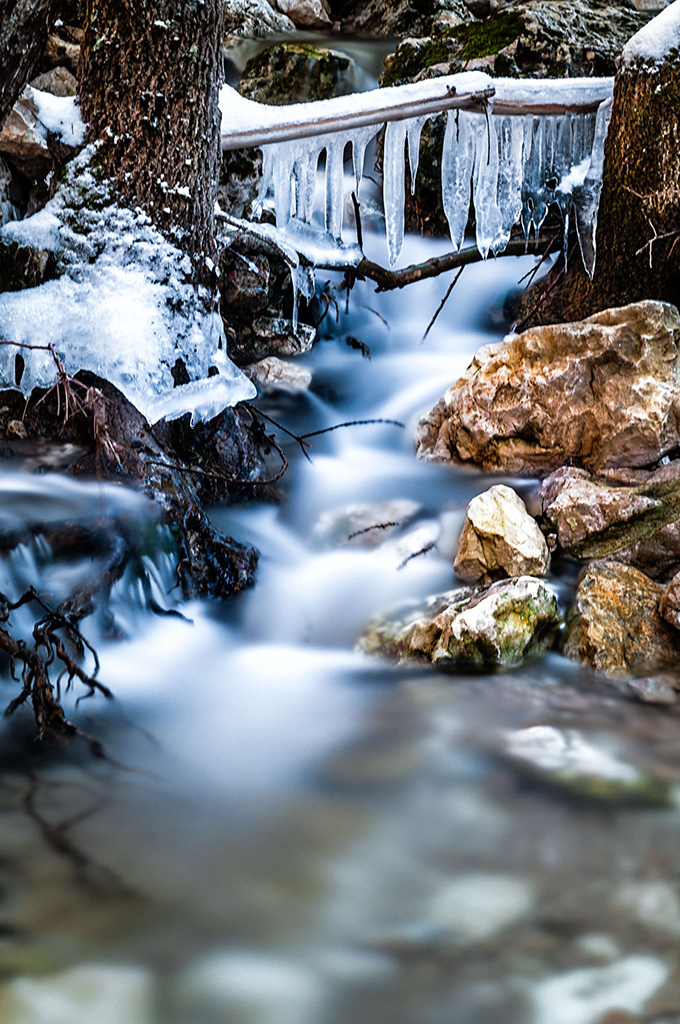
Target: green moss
x=484 y=38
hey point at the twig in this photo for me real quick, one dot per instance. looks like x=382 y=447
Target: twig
x=416 y=554
x=441 y=305
x=350 y=423
x=518 y=327
x=369 y=529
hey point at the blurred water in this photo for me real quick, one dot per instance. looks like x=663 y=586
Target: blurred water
x=288 y=832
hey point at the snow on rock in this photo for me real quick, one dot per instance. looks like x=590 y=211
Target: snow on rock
x=658 y=40
x=123 y=307
x=306 y=13
x=25 y=130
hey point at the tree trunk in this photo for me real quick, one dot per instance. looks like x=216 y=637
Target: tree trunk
x=150 y=76
x=638 y=231
x=24 y=25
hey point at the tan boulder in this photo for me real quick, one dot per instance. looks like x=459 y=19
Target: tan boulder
x=57 y=81
x=273 y=372
x=500 y=539
x=306 y=13
x=23 y=137
x=615 y=626
x=602 y=392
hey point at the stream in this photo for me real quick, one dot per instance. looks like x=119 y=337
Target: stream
x=287 y=831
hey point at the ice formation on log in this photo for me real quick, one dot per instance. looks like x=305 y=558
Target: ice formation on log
x=511 y=166
x=124 y=307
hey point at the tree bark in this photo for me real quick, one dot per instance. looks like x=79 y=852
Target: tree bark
x=24 y=25
x=150 y=76
x=638 y=231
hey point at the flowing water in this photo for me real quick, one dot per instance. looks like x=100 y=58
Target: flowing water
x=289 y=832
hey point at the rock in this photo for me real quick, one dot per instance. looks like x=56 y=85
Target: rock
x=659 y=689
x=602 y=392
x=595 y=517
x=8 y=208
x=23 y=138
x=276 y=373
x=24 y=267
x=567 y=760
x=401 y=17
x=614 y=625
x=16 y=428
x=255 y=19
x=278 y=335
x=306 y=13
x=58 y=81
x=364 y=525
x=240 y=179
x=297 y=73
x=245 y=284
x=669 y=605
x=61 y=53
x=500 y=539
x=483 y=628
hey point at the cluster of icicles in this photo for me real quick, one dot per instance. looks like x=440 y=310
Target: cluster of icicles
x=513 y=168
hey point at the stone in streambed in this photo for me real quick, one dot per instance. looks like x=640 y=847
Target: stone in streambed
x=669 y=605
x=615 y=626
x=500 y=539
x=602 y=392
x=567 y=760
x=498 y=626
x=272 y=373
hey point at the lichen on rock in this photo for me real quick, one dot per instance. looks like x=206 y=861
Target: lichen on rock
x=615 y=626
x=492 y=627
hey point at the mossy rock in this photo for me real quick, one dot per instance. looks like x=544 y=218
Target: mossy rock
x=493 y=627
x=297 y=73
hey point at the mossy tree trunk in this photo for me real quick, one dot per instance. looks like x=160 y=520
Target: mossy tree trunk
x=638 y=231
x=24 y=25
x=150 y=76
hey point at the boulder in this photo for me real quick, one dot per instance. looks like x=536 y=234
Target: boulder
x=277 y=373
x=306 y=13
x=498 y=626
x=60 y=52
x=58 y=81
x=599 y=516
x=245 y=284
x=254 y=19
x=23 y=138
x=602 y=392
x=615 y=626
x=297 y=73
x=500 y=539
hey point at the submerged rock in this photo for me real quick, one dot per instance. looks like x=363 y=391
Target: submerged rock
x=595 y=517
x=602 y=392
x=500 y=539
x=615 y=626
x=364 y=525
x=565 y=759
x=483 y=628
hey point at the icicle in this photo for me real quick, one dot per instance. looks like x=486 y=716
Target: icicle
x=457 y=162
x=509 y=196
x=413 y=132
x=485 y=184
x=587 y=198
x=360 y=139
x=305 y=179
x=394 y=165
x=335 y=152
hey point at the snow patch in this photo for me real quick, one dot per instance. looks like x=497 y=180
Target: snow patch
x=656 y=40
x=123 y=307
